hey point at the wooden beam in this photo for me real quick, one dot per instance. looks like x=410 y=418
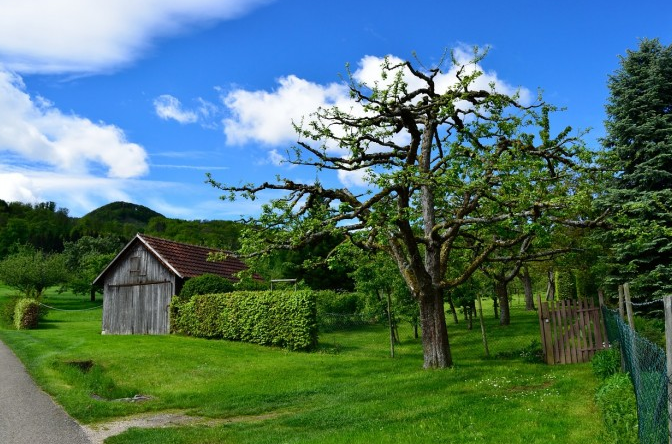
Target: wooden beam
x=667 y=300
x=628 y=306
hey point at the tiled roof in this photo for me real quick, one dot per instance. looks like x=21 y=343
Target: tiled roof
x=191 y=260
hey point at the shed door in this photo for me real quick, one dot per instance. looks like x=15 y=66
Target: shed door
x=138 y=309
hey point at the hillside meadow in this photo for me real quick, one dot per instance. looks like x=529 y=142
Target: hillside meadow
x=349 y=390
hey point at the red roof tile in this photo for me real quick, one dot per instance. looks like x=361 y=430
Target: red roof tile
x=192 y=260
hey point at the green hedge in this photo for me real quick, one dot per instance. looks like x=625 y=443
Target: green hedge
x=205 y=284
x=26 y=313
x=279 y=318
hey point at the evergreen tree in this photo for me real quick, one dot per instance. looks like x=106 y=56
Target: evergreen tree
x=639 y=150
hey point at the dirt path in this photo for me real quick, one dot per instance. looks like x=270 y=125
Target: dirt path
x=97 y=433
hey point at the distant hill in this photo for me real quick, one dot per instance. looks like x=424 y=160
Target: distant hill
x=125 y=219
x=122 y=219
x=123 y=213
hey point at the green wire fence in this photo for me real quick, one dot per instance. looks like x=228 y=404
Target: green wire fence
x=645 y=362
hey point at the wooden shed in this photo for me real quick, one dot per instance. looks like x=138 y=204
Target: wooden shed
x=139 y=283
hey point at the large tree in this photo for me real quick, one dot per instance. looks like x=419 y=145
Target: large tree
x=639 y=150
x=444 y=155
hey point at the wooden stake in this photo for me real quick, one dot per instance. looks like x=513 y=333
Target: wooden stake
x=628 y=307
x=667 y=300
x=389 y=320
x=621 y=310
x=546 y=335
x=480 y=317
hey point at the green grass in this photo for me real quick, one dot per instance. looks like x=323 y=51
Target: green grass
x=348 y=391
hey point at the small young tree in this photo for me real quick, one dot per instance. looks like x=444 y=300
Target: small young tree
x=444 y=157
x=32 y=271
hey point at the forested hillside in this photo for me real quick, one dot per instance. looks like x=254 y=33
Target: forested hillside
x=47 y=227
x=50 y=229
x=41 y=225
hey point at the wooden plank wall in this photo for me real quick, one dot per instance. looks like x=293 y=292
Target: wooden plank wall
x=137 y=309
x=137 y=295
x=571 y=331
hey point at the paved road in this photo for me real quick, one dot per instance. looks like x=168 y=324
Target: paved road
x=27 y=414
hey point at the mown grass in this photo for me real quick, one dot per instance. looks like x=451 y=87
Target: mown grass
x=348 y=391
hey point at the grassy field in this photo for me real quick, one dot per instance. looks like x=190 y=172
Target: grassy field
x=348 y=391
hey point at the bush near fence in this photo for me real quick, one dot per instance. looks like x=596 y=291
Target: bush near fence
x=278 y=318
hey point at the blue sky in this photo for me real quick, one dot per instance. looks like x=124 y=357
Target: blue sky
x=136 y=100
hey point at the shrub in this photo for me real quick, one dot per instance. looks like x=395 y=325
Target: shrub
x=616 y=400
x=206 y=284
x=533 y=352
x=7 y=306
x=279 y=318
x=337 y=310
x=329 y=301
x=606 y=363
x=652 y=329
x=26 y=313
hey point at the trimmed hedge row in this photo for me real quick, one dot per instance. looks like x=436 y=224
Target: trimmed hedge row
x=26 y=313
x=279 y=318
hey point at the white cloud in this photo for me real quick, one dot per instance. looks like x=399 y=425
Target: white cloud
x=34 y=131
x=15 y=187
x=357 y=178
x=78 y=193
x=82 y=193
x=90 y=36
x=276 y=158
x=168 y=107
x=267 y=117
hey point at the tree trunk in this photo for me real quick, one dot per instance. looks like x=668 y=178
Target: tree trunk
x=503 y=298
x=435 y=346
x=526 y=279
x=389 y=319
x=452 y=309
x=495 y=307
x=550 y=289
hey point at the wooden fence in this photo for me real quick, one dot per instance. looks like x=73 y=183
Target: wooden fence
x=571 y=331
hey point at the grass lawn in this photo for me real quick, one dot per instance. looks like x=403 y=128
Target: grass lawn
x=348 y=391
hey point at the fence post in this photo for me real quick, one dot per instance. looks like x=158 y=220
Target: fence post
x=545 y=327
x=667 y=300
x=628 y=306
x=601 y=327
x=480 y=318
x=621 y=309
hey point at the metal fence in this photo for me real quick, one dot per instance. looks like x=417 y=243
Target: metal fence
x=645 y=362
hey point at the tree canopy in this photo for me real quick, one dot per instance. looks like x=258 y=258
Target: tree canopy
x=638 y=149
x=454 y=168
x=31 y=271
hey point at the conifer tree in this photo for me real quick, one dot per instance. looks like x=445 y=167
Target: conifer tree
x=639 y=151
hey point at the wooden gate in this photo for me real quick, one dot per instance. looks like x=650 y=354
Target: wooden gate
x=571 y=331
